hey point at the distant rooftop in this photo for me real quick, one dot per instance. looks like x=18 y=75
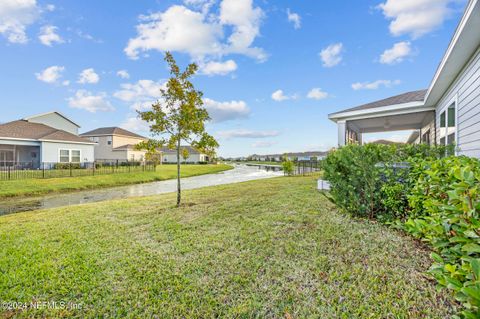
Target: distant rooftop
x=190 y=149
x=111 y=131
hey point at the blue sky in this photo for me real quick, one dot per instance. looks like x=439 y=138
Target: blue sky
x=271 y=71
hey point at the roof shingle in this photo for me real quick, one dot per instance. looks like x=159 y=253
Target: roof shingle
x=111 y=131
x=414 y=96
x=22 y=129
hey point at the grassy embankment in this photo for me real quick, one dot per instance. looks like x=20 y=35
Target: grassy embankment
x=66 y=184
x=266 y=249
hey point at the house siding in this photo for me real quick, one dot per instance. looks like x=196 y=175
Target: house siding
x=56 y=121
x=50 y=151
x=465 y=90
x=103 y=151
x=192 y=158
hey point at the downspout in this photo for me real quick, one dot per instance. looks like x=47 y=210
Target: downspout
x=435 y=124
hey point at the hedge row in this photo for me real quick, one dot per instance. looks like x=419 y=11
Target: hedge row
x=433 y=197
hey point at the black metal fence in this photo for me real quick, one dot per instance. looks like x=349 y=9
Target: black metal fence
x=307 y=167
x=17 y=171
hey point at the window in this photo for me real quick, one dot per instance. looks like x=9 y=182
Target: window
x=75 y=156
x=64 y=156
x=109 y=140
x=94 y=139
x=70 y=156
x=448 y=122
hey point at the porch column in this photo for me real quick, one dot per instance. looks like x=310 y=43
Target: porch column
x=360 y=138
x=342 y=128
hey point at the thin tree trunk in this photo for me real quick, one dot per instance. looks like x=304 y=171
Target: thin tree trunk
x=179 y=189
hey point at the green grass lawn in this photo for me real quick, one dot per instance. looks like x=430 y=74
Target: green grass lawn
x=265 y=249
x=43 y=186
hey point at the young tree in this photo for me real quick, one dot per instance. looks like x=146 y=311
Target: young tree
x=185 y=155
x=178 y=116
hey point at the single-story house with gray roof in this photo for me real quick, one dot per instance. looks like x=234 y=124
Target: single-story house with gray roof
x=44 y=138
x=448 y=112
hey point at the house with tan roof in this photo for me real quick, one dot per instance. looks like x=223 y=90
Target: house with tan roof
x=448 y=112
x=44 y=138
x=115 y=144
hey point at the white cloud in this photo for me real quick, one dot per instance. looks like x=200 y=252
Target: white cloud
x=172 y=31
x=374 y=85
x=48 y=35
x=66 y=83
x=245 y=20
x=123 y=74
x=280 y=96
x=415 y=17
x=133 y=123
x=218 y=68
x=225 y=111
x=88 y=37
x=331 y=55
x=141 y=94
x=204 y=5
x=317 y=94
x=240 y=133
x=396 y=54
x=51 y=74
x=263 y=144
x=15 y=17
x=141 y=91
x=88 y=76
x=85 y=100
x=295 y=19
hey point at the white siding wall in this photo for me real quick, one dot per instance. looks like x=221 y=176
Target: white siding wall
x=466 y=91
x=192 y=158
x=50 y=151
x=56 y=121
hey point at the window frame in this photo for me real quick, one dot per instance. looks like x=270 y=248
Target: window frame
x=60 y=155
x=445 y=131
x=79 y=155
x=70 y=155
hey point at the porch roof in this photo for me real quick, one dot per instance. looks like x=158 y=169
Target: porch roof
x=393 y=122
x=409 y=102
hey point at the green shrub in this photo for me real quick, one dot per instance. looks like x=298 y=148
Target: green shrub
x=437 y=199
x=446 y=206
x=288 y=167
x=367 y=182
x=67 y=166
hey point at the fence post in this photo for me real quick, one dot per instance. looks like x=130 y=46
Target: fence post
x=8 y=172
x=70 y=164
x=94 y=168
x=43 y=170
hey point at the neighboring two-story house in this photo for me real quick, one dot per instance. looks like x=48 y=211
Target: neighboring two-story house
x=115 y=144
